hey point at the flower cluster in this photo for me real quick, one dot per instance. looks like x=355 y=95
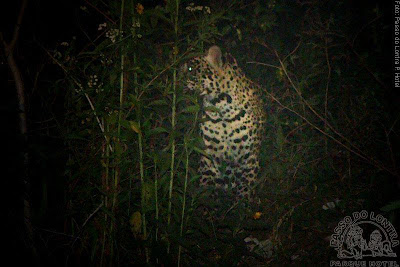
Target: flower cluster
x=92 y=81
x=136 y=24
x=85 y=120
x=272 y=4
x=112 y=34
x=100 y=88
x=105 y=61
x=191 y=7
x=110 y=111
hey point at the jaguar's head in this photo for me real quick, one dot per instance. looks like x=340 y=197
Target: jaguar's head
x=202 y=73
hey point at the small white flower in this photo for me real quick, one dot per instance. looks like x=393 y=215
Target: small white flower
x=330 y=205
x=112 y=34
x=193 y=8
x=136 y=24
x=101 y=26
x=64 y=44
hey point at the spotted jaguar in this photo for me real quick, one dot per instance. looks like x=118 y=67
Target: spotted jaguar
x=232 y=125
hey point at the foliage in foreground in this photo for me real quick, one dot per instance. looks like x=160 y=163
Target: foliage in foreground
x=131 y=136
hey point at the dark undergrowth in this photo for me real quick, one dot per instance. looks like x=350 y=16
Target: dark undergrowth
x=125 y=191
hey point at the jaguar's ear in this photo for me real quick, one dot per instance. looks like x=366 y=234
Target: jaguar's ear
x=214 y=56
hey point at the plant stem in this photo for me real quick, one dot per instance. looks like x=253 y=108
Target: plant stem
x=156 y=200
x=184 y=199
x=118 y=150
x=106 y=189
x=171 y=181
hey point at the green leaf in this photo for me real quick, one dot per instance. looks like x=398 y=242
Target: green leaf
x=157 y=131
x=195 y=178
x=192 y=109
x=159 y=102
x=395 y=205
x=226 y=30
x=136 y=222
x=125 y=123
x=192 y=99
x=199 y=150
x=134 y=126
x=118 y=148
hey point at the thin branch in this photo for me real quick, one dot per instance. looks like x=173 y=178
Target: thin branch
x=168 y=67
x=92 y=214
x=328 y=79
x=365 y=26
x=18 y=25
x=101 y=12
x=294 y=51
x=311 y=108
x=350 y=147
x=362 y=63
x=263 y=64
x=86 y=221
x=101 y=126
x=316 y=127
x=23 y=128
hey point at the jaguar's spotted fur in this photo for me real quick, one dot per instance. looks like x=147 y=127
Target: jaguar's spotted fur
x=233 y=131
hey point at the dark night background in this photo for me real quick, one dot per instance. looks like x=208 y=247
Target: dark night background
x=55 y=196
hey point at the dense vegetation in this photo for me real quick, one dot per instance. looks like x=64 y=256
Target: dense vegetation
x=114 y=145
